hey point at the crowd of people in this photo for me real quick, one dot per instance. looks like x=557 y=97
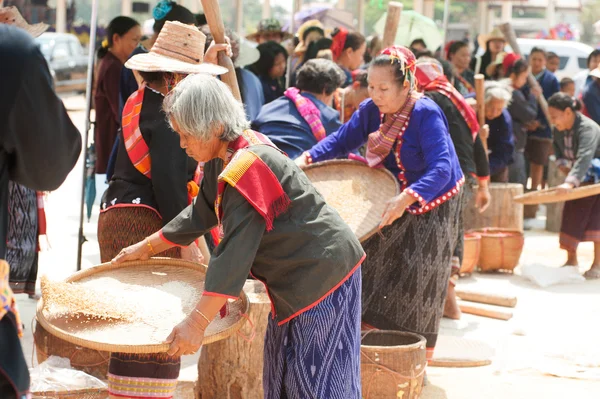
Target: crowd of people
x=195 y=174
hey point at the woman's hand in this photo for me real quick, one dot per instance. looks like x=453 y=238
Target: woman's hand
x=482 y=198
x=484 y=132
x=532 y=126
x=212 y=54
x=395 y=208
x=303 y=160
x=565 y=188
x=139 y=251
x=192 y=253
x=186 y=338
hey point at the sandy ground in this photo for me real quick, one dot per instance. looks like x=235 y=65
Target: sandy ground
x=553 y=330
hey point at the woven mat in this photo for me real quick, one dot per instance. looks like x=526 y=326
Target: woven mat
x=461 y=352
x=181 y=280
x=359 y=193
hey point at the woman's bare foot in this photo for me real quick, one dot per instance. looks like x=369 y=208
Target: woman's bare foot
x=571 y=259
x=593 y=273
x=451 y=309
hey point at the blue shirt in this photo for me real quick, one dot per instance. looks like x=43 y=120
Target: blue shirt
x=271 y=89
x=283 y=124
x=252 y=91
x=500 y=142
x=591 y=99
x=430 y=163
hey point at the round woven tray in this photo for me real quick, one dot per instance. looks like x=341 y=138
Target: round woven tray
x=149 y=273
x=551 y=195
x=339 y=181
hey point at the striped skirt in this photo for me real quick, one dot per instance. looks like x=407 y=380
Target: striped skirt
x=406 y=272
x=580 y=222
x=317 y=354
x=136 y=375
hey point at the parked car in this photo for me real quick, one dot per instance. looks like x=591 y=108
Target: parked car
x=66 y=60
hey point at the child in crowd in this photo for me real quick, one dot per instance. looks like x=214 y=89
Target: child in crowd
x=567 y=86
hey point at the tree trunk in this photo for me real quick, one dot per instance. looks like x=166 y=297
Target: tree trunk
x=554 y=211
x=233 y=368
x=503 y=212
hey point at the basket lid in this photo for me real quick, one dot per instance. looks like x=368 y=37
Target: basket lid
x=159 y=292
x=359 y=193
x=551 y=195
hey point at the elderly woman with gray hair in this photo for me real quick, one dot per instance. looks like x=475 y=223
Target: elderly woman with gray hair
x=276 y=226
x=500 y=141
x=303 y=116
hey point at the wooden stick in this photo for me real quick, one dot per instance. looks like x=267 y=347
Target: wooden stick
x=511 y=39
x=212 y=11
x=492 y=312
x=490 y=299
x=391 y=23
x=480 y=96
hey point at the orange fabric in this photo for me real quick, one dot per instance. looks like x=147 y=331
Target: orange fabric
x=137 y=148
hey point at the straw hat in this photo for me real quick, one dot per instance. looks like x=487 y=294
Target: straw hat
x=179 y=48
x=303 y=45
x=12 y=16
x=495 y=34
x=269 y=25
x=248 y=54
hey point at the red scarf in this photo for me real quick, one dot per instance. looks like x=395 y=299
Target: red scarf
x=338 y=43
x=430 y=77
x=257 y=183
x=137 y=149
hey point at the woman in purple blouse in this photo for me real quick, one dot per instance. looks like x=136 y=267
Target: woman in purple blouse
x=407 y=268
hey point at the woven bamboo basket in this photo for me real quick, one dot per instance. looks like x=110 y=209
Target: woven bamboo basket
x=95 y=393
x=371 y=187
x=392 y=364
x=148 y=273
x=500 y=249
x=472 y=249
x=551 y=195
x=90 y=361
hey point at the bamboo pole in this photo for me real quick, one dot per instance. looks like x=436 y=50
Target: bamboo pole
x=490 y=299
x=391 y=23
x=480 y=96
x=493 y=312
x=212 y=11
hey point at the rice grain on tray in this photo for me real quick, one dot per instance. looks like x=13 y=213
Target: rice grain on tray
x=350 y=198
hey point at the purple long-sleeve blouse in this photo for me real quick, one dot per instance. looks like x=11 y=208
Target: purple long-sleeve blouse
x=432 y=172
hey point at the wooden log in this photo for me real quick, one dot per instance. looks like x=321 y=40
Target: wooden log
x=503 y=212
x=479 y=95
x=490 y=299
x=233 y=368
x=493 y=312
x=391 y=23
x=554 y=211
x=212 y=11
x=511 y=39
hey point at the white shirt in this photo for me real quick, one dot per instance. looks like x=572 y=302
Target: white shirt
x=579 y=80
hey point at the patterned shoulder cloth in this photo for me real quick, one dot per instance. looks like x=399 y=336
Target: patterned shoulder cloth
x=253 y=179
x=380 y=143
x=137 y=148
x=309 y=112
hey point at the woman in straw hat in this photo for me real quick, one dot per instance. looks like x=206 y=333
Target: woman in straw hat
x=493 y=43
x=577 y=149
x=154 y=180
x=274 y=225
x=269 y=30
x=406 y=273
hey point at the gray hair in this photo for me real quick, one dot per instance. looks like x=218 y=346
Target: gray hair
x=497 y=91
x=201 y=104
